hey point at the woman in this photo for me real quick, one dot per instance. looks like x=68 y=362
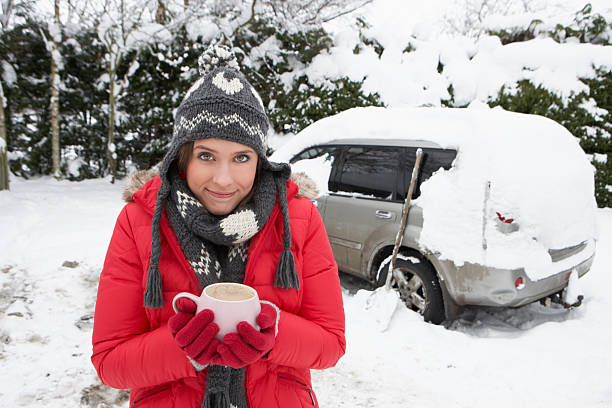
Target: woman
x=218 y=211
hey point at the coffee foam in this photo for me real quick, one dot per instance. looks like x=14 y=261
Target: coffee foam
x=230 y=293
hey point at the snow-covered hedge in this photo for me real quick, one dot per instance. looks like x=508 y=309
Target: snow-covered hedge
x=381 y=55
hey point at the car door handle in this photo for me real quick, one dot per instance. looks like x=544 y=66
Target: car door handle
x=386 y=215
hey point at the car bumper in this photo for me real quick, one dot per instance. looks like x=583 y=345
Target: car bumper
x=473 y=284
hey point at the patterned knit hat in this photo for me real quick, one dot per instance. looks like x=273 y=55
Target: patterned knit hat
x=221 y=104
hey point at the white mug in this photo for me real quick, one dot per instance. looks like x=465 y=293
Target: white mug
x=231 y=303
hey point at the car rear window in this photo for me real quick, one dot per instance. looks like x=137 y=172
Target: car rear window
x=432 y=161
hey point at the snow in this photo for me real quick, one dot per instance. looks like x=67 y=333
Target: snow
x=511 y=151
x=318 y=169
x=476 y=67
x=9 y=76
x=207 y=30
x=148 y=33
x=56 y=32
x=573 y=291
x=133 y=68
x=489 y=357
x=55 y=233
x=600 y=158
x=45 y=223
x=72 y=160
x=270 y=48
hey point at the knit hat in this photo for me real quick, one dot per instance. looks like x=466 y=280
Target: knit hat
x=221 y=104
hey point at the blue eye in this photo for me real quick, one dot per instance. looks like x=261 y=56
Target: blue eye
x=242 y=158
x=205 y=156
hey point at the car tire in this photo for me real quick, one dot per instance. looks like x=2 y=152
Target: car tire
x=419 y=288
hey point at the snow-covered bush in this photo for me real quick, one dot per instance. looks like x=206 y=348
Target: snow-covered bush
x=587 y=115
x=306 y=72
x=274 y=60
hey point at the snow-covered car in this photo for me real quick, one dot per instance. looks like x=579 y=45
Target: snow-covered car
x=503 y=213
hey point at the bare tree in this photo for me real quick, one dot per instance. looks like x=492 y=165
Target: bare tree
x=8 y=11
x=161 y=16
x=4 y=172
x=120 y=30
x=53 y=44
x=468 y=16
x=233 y=15
x=121 y=25
x=313 y=11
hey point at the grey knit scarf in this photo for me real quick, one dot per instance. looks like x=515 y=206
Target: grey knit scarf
x=217 y=249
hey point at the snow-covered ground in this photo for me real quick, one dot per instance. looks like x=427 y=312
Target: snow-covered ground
x=52 y=244
x=53 y=238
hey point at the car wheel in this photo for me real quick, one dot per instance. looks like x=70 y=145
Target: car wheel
x=419 y=288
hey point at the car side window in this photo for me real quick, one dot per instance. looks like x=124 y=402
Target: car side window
x=370 y=171
x=317 y=162
x=328 y=152
x=432 y=161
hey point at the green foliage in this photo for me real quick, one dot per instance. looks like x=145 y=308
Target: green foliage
x=603 y=177
x=153 y=79
x=587 y=115
x=154 y=83
x=292 y=108
x=366 y=41
x=151 y=82
x=83 y=121
x=409 y=48
x=305 y=45
x=27 y=110
x=586 y=27
x=518 y=34
x=313 y=102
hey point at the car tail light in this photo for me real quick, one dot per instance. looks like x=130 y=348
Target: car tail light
x=506 y=224
x=504 y=219
x=519 y=283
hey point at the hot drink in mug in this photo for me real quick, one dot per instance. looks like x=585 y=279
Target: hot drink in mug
x=231 y=303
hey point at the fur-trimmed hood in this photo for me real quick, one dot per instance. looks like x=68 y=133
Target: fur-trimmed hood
x=307 y=187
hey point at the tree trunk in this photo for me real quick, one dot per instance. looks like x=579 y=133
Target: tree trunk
x=55 y=148
x=55 y=144
x=160 y=16
x=112 y=151
x=4 y=169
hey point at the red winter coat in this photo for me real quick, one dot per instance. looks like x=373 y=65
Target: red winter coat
x=132 y=347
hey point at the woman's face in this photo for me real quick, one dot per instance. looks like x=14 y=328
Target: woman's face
x=221 y=173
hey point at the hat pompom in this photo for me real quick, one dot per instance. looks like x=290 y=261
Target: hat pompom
x=217 y=56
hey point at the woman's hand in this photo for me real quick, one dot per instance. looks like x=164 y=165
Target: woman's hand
x=194 y=333
x=248 y=345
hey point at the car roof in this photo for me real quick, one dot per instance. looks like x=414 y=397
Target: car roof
x=384 y=142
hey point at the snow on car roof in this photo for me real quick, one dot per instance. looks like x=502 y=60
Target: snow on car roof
x=384 y=142
x=446 y=127
x=534 y=168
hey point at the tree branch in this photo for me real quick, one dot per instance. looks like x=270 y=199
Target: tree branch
x=325 y=20
x=249 y=21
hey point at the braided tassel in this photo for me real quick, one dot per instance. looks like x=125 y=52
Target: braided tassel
x=286 y=275
x=216 y=400
x=153 y=295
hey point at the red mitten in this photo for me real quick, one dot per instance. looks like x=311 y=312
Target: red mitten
x=248 y=345
x=194 y=333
